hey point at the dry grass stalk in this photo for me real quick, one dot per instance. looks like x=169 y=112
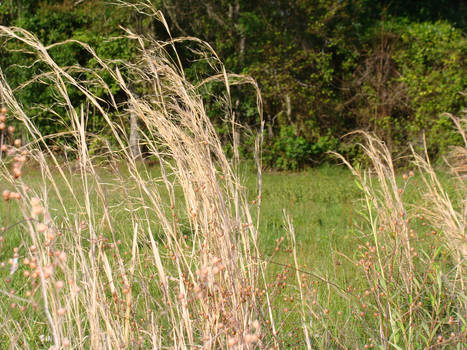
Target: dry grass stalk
x=388 y=216
x=448 y=213
x=205 y=284
x=395 y=262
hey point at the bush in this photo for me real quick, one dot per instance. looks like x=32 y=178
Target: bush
x=430 y=58
x=290 y=151
x=408 y=77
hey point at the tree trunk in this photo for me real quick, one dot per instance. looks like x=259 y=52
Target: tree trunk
x=288 y=106
x=269 y=128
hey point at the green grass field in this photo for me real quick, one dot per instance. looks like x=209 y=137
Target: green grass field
x=329 y=220
x=323 y=204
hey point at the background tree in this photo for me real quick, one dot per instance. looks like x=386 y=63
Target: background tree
x=325 y=67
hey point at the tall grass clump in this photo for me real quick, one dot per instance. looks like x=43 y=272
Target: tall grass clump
x=409 y=290
x=154 y=269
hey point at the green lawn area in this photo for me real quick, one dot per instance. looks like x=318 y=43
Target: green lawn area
x=325 y=204
x=322 y=202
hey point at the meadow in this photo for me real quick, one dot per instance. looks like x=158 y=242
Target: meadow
x=326 y=206
x=194 y=250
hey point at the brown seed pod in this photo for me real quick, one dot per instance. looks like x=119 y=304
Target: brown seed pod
x=16 y=172
x=6 y=195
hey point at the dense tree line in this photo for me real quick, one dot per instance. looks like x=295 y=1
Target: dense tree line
x=325 y=67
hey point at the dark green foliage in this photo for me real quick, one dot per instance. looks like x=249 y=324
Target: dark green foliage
x=324 y=67
x=409 y=74
x=291 y=151
x=432 y=64
x=95 y=23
